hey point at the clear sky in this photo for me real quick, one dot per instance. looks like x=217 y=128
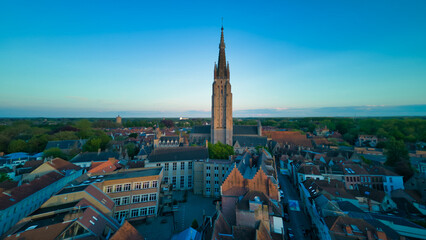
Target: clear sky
x=155 y=58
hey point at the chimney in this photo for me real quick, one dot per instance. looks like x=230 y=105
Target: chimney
x=348 y=230
x=207 y=144
x=370 y=235
x=381 y=234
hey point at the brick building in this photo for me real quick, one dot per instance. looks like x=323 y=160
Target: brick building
x=135 y=192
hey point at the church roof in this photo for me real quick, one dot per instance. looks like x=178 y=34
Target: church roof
x=201 y=129
x=245 y=130
x=250 y=141
x=178 y=153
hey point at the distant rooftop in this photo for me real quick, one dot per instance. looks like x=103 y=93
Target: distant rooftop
x=178 y=153
x=133 y=174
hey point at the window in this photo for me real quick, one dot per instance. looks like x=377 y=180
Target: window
x=137 y=186
x=136 y=199
x=166 y=180
x=117 y=201
x=154 y=184
x=208 y=182
x=118 y=188
x=108 y=189
x=208 y=168
x=390 y=179
x=174 y=181
x=174 y=166
x=216 y=175
x=216 y=190
x=135 y=213
x=216 y=168
x=142 y=212
x=151 y=210
x=145 y=185
x=189 y=165
x=144 y=198
x=189 y=181
x=207 y=190
x=182 y=166
x=158 y=164
x=207 y=174
x=182 y=181
x=121 y=214
x=125 y=200
x=166 y=167
x=216 y=182
x=127 y=187
x=152 y=197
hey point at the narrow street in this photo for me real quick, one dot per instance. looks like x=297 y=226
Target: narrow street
x=298 y=220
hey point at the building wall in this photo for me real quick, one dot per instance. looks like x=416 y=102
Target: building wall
x=38 y=172
x=133 y=199
x=76 y=196
x=391 y=183
x=10 y=216
x=213 y=177
x=186 y=174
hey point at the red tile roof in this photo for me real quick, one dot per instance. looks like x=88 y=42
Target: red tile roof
x=62 y=165
x=127 y=231
x=289 y=137
x=109 y=166
x=27 y=189
x=48 y=232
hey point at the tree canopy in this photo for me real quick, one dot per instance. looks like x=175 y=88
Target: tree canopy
x=220 y=151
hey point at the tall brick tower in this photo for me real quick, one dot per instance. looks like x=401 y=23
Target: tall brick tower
x=221 y=100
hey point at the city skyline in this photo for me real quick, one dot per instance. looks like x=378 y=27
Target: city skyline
x=286 y=59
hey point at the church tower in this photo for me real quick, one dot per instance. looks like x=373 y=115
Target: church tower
x=221 y=126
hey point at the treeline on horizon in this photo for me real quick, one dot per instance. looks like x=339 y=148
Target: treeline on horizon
x=32 y=135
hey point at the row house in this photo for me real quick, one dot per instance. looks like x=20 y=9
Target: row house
x=76 y=212
x=135 y=192
x=249 y=174
x=178 y=164
x=45 y=181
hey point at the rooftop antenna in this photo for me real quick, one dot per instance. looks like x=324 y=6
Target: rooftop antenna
x=222 y=23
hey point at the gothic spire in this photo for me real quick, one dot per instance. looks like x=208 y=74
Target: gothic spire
x=222 y=71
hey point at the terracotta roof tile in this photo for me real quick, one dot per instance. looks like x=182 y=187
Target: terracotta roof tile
x=289 y=137
x=108 y=166
x=127 y=231
x=19 y=193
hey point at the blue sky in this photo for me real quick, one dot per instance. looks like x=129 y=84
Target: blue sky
x=287 y=58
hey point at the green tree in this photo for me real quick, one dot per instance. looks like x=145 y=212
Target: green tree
x=194 y=224
x=64 y=135
x=92 y=145
x=395 y=152
x=85 y=128
x=4 y=177
x=220 y=151
x=133 y=135
x=37 y=143
x=131 y=149
x=17 y=146
x=55 y=153
x=397 y=157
